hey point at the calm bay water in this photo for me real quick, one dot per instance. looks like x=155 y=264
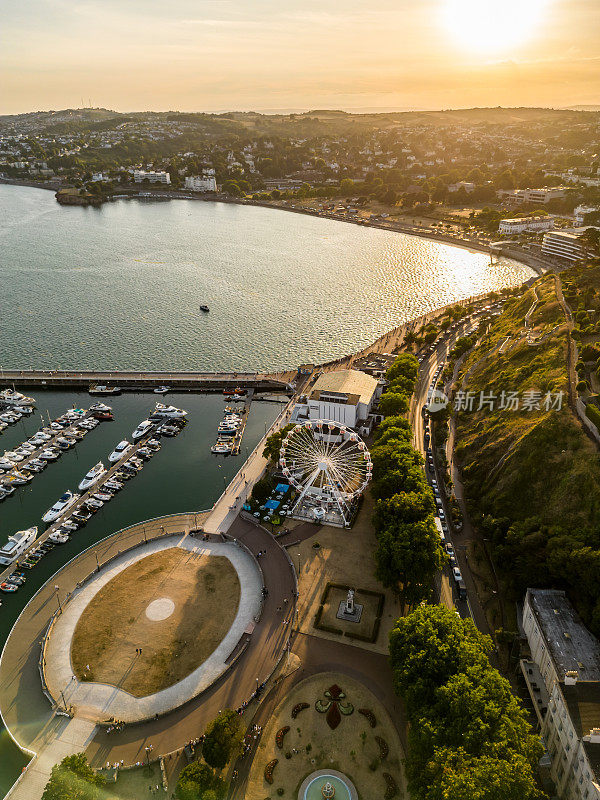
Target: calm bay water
x=120 y=286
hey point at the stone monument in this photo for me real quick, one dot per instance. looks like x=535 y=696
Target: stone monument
x=349 y=610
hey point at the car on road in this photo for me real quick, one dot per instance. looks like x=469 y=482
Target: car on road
x=456 y=573
x=449 y=548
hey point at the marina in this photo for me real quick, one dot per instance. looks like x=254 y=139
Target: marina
x=73 y=510
x=230 y=431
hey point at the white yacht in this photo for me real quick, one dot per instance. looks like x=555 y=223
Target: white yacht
x=17 y=544
x=169 y=412
x=142 y=429
x=92 y=477
x=59 y=537
x=16 y=398
x=65 y=502
x=162 y=389
x=119 y=451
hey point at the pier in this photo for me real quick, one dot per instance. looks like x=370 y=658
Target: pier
x=146 y=381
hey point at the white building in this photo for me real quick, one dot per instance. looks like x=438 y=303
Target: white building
x=201 y=183
x=563 y=679
x=580 y=212
x=564 y=244
x=140 y=175
x=520 y=224
x=346 y=396
x=466 y=185
x=99 y=176
x=538 y=196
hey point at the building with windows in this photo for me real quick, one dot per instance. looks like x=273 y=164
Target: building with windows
x=563 y=678
x=140 y=175
x=564 y=244
x=521 y=224
x=201 y=183
x=580 y=212
x=346 y=396
x=538 y=196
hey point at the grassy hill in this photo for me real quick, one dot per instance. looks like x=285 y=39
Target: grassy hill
x=531 y=477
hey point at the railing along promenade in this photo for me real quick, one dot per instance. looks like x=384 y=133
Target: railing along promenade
x=132 y=380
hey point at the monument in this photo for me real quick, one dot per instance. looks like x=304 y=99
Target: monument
x=349 y=610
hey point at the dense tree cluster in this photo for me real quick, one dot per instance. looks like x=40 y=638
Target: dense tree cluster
x=74 y=779
x=469 y=736
x=222 y=739
x=198 y=781
x=408 y=546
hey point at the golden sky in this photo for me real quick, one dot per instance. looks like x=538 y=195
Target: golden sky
x=218 y=55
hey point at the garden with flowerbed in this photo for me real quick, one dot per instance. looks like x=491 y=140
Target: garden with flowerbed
x=328 y=721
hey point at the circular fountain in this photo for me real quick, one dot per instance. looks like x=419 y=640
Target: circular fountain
x=327 y=785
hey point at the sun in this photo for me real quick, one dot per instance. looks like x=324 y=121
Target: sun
x=490 y=26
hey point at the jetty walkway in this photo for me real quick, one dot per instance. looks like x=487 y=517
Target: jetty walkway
x=147 y=381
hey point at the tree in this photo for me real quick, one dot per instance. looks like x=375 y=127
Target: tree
x=393 y=403
x=73 y=779
x=429 y=646
x=590 y=238
x=198 y=781
x=405 y=366
x=346 y=186
x=273 y=443
x=454 y=775
x=407 y=559
x=223 y=737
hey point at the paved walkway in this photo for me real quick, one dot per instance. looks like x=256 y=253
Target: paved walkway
x=102 y=702
x=228 y=506
x=71 y=736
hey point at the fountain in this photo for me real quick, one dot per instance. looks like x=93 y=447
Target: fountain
x=327 y=785
x=328 y=790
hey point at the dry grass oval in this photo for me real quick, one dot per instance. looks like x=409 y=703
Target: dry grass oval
x=206 y=593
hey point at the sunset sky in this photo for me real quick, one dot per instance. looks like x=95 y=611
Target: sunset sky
x=218 y=55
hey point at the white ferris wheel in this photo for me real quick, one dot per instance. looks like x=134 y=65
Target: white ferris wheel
x=328 y=464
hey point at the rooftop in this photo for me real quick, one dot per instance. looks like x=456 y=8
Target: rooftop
x=570 y=644
x=583 y=702
x=347 y=382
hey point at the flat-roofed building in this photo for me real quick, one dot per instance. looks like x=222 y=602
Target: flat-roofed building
x=521 y=224
x=564 y=244
x=539 y=196
x=563 y=678
x=140 y=175
x=346 y=396
x=201 y=183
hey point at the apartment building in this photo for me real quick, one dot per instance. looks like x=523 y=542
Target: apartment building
x=201 y=183
x=564 y=244
x=140 y=175
x=563 y=678
x=521 y=224
x=537 y=196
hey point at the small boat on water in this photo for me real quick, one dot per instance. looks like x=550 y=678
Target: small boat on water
x=153 y=444
x=117 y=454
x=204 y=308
x=162 y=389
x=15 y=398
x=101 y=388
x=221 y=448
x=92 y=477
x=59 y=537
x=104 y=497
x=17 y=544
x=169 y=412
x=99 y=407
x=142 y=429
x=8 y=587
x=63 y=504
x=91 y=502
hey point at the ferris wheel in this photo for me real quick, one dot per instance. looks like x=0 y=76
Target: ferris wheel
x=328 y=464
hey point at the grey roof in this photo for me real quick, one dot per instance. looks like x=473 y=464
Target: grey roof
x=570 y=644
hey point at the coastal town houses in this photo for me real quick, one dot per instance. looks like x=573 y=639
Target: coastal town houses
x=562 y=674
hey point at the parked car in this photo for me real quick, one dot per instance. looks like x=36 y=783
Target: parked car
x=457 y=574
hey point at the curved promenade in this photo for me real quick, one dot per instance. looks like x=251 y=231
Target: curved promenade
x=104 y=702
x=44 y=731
